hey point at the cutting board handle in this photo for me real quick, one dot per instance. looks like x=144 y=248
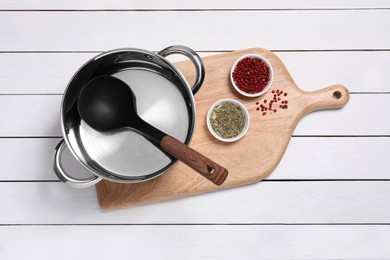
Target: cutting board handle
x=334 y=96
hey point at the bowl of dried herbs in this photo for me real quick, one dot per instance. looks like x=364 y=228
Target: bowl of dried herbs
x=228 y=120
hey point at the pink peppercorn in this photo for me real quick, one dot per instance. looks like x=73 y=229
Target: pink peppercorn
x=274 y=103
x=251 y=75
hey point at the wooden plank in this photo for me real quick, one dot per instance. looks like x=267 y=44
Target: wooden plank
x=281 y=30
x=38 y=116
x=335 y=158
x=305 y=202
x=30 y=115
x=363 y=108
x=187 y=5
x=49 y=73
x=31 y=159
x=305 y=158
x=195 y=242
x=39 y=73
x=313 y=70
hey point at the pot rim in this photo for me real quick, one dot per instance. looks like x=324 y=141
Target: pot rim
x=118 y=177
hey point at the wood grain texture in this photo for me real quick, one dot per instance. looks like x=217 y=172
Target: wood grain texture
x=330 y=67
x=305 y=30
x=248 y=160
x=39 y=116
x=267 y=202
x=186 y=5
x=307 y=158
x=198 y=162
x=195 y=242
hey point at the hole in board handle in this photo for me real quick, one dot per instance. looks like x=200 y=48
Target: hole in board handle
x=337 y=95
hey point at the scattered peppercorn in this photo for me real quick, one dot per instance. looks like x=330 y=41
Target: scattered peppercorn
x=274 y=103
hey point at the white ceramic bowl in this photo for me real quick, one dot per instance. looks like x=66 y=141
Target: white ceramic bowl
x=244 y=110
x=257 y=57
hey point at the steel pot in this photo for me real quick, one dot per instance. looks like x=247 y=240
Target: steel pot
x=164 y=99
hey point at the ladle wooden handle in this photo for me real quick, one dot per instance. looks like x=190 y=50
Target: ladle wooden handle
x=203 y=165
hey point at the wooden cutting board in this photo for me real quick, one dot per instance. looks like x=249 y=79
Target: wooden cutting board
x=248 y=160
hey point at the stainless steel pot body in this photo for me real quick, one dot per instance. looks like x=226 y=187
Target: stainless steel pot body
x=164 y=99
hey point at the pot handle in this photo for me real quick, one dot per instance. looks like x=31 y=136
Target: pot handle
x=193 y=56
x=65 y=177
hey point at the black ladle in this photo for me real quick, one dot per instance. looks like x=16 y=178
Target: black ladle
x=107 y=104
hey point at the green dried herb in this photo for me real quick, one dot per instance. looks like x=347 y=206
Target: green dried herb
x=227 y=120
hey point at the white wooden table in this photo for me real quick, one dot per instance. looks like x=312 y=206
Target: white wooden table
x=329 y=198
